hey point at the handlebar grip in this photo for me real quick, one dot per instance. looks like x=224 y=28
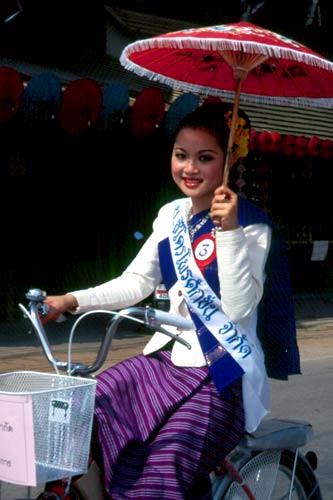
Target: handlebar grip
x=173 y=320
x=37 y=296
x=44 y=309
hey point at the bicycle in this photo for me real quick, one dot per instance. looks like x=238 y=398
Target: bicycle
x=266 y=465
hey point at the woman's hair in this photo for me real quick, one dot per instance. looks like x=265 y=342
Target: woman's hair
x=215 y=118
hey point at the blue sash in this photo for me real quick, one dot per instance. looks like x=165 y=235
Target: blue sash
x=227 y=347
x=276 y=319
x=221 y=365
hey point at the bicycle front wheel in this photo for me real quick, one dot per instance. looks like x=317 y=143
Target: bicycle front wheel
x=268 y=475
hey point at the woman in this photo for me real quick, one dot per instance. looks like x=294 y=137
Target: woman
x=167 y=417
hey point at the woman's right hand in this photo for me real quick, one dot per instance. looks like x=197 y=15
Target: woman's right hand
x=224 y=208
x=57 y=305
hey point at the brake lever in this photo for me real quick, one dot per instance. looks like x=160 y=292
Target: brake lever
x=173 y=336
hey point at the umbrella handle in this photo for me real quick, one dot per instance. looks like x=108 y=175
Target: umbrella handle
x=227 y=163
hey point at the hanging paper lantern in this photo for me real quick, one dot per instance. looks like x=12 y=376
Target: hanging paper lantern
x=41 y=99
x=289 y=144
x=276 y=144
x=253 y=140
x=80 y=106
x=301 y=146
x=147 y=112
x=264 y=141
x=183 y=104
x=115 y=105
x=313 y=146
x=326 y=149
x=269 y=142
x=11 y=91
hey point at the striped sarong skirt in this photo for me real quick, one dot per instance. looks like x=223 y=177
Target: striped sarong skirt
x=162 y=429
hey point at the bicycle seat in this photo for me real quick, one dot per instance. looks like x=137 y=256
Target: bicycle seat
x=278 y=433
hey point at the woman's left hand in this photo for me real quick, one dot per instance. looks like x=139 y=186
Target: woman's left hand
x=224 y=208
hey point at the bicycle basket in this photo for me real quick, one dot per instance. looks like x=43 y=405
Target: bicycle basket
x=62 y=416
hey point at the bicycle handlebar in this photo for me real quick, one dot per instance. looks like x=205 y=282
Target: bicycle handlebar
x=151 y=318
x=171 y=319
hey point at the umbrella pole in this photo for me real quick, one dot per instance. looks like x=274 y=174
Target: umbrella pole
x=228 y=158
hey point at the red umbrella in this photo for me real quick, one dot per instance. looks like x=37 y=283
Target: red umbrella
x=147 y=112
x=11 y=91
x=229 y=59
x=81 y=105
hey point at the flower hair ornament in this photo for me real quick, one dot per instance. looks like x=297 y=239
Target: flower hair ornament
x=240 y=147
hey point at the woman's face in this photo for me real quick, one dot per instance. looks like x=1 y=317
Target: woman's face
x=197 y=165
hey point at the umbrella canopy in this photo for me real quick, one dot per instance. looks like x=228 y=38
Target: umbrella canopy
x=81 y=105
x=275 y=69
x=11 y=91
x=147 y=112
x=232 y=61
x=183 y=104
x=42 y=98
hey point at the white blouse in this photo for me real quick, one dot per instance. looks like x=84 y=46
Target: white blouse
x=241 y=256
